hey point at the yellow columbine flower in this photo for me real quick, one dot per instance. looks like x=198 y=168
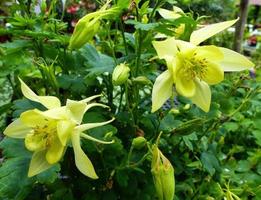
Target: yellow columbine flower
x=174 y=14
x=47 y=133
x=193 y=68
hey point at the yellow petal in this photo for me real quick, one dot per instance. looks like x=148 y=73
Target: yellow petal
x=64 y=130
x=162 y=90
x=87 y=100
x=202 y=96
x=210 y=52
x=48 y=101
x=82 y=162
x=167 y=14
x=38 y=164
x=59 y=113
x=88 y=137
x=17 y=129
x=89 y=106
x=184 y=86
x=234 y=61
x=165 y=49
x=214 y=74
x=88 y=126
x=77 y=110
x=35 y=142
x=184 y=46
x=55 y=151
x=208 y=31
x=34 y=118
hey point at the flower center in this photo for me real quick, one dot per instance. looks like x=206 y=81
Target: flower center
x=193 y=66
x=41 y=137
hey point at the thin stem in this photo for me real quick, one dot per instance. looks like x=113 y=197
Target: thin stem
x=129 y=156
x=123 y=37
x=153 y=11
x=121 y=97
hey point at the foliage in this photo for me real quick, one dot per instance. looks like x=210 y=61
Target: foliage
x=215 y=155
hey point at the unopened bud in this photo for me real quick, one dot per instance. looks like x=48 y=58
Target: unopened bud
x=84 y=31
x=186 y=107
x=163 y=175
x=142 y=80
x=139 y=142
x=120 y=74
x=43 y=6
x=174 y=111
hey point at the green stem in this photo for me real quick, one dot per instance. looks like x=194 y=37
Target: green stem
x=129 y=156
x=121 y=97
x=138 y=45
x=123 y=37
x=153 y=11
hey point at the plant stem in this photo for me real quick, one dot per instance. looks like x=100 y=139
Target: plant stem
x=123 y=37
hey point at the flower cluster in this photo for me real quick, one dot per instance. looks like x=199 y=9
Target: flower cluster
x=48 y=133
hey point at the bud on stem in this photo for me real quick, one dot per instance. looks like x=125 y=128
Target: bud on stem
x=120 y=74
x=163 y=175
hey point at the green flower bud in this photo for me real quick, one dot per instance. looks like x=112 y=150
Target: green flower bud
x=163 y=175
x=84 y=31
x=120 y=74
x=89 y=25
x=142 y=80
x=43 y=6
x=139 y=142
x=174 y=111
x=187 y=107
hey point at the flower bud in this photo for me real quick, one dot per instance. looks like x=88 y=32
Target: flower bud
x=174 y=111
x=84 y=31
x=142 y=80
x=163 y=175
x=43 y=6
x=139 y=142
x=89 y=25
x=120 y=74
x=186 y=107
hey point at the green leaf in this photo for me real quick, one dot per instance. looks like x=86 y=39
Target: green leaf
x=122 y=177
x=231 y=126
x=49 y=176
x=142 y=26
x=243 y=166
x=257 y=134
x=169 y=123
x=97 y=63
x=13 y=172
x=209 y=162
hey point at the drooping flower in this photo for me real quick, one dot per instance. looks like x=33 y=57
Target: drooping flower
x=163 y=175
x=48 y=133
x=192 y=68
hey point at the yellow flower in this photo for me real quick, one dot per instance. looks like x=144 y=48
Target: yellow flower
x=48 y=133
x=174 y=14
x=193 y=68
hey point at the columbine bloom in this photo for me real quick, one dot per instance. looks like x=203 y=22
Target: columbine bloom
x=174 y=14
x=193 y=68
x=47 y=133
